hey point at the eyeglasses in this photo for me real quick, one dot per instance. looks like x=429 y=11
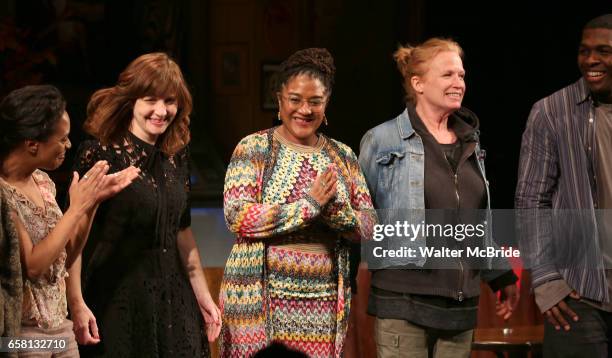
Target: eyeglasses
x=315 y=104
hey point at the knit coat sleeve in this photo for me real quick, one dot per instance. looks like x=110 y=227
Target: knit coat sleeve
x=245 y=213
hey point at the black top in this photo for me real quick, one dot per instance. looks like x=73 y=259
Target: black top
x=440 y=188
x=133 y=279
x=452 y=153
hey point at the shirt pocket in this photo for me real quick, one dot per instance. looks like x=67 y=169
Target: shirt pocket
x=389 y=169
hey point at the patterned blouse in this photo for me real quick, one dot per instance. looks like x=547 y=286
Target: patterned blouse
x=44 y=298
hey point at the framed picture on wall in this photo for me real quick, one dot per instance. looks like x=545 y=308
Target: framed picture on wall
x=269 y=85
x=230 y=68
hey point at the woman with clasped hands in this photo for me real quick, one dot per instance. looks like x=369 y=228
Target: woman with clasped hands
x=293 y=196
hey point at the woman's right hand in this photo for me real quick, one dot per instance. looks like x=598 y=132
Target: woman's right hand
x=324 y=186
x=85 y=327
x=83 y=191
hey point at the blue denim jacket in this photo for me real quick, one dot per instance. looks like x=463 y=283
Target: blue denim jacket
x=392 y=158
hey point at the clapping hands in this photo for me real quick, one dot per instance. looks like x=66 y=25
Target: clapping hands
x=96 y=186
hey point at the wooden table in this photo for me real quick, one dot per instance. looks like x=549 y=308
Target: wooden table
x=516 y=341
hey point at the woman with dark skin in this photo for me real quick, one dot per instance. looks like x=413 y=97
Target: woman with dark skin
x=293 y=197
x=34 y=127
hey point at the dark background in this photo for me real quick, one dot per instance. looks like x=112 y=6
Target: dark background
x=515 y=54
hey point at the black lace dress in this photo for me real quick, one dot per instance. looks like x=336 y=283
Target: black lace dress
x=133 y=278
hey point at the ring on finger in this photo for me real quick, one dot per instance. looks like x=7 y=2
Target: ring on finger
x=85 y=176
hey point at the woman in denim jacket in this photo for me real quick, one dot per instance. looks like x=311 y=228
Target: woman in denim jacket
x=429 y=158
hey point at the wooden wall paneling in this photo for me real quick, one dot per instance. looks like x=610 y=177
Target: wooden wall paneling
x=276 y=37
x=198 y=76
x=219 y=23
x=232 y=121
x=231 y=21
x=231 y=43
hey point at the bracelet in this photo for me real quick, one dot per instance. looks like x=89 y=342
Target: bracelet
x=312 y=201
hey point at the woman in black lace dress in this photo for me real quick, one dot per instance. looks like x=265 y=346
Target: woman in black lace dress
x=144 y=291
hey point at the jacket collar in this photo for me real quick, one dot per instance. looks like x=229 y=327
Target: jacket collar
x=404 y=126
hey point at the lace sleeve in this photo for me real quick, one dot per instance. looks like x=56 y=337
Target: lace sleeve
x=89 y=152
x=184 y=164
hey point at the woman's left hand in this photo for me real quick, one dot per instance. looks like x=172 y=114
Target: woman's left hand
x=212 y=317
x=114 y=183
x=507 y=301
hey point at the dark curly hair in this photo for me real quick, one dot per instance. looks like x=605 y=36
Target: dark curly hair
x=30 y=112
x=315 y=62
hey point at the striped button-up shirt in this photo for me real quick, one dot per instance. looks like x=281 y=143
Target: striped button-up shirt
x=556 y=193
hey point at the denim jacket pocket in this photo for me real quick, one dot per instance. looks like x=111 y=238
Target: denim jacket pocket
x=388 y=173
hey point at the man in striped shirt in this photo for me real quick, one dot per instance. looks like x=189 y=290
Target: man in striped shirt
x=565 y=177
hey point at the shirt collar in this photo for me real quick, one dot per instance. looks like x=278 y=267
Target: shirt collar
x=584 y=94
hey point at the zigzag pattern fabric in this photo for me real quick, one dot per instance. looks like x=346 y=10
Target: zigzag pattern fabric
x=302 y=292
x=266 y=204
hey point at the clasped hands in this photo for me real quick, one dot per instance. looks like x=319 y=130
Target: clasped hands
x=324 y=187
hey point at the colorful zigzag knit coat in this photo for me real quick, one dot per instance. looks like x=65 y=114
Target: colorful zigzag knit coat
x=266 y=200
